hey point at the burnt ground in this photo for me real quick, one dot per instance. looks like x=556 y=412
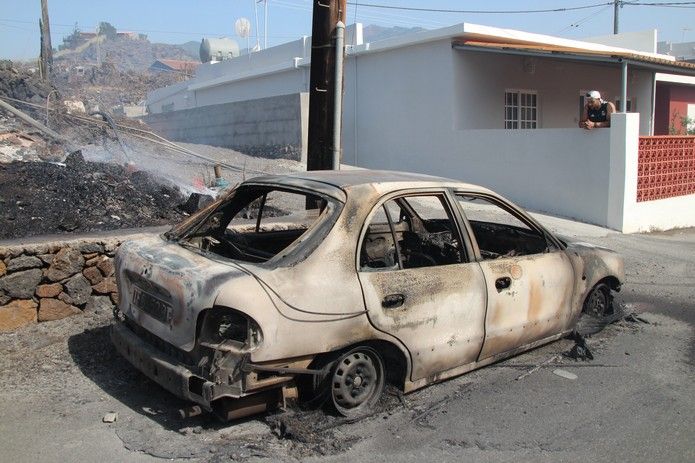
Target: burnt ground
x=38 y=198
x=632 y=402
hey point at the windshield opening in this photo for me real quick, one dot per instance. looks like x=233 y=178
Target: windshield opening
x=257 y=223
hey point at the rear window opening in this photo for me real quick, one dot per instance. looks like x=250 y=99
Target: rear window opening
x=257 y=223
x=499 y=233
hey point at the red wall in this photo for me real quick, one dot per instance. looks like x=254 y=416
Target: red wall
x=671 y=100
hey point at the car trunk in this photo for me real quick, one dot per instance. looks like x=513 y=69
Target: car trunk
x=164 y=286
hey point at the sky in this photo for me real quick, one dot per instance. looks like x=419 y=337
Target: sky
x=179 y=21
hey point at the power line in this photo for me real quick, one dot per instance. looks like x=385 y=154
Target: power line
x=444 y=10
x=545 y=10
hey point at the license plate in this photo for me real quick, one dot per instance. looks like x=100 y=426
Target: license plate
x=151 y=305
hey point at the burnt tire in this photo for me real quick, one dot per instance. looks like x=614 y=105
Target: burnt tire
x=357 y=382
x=598 y=302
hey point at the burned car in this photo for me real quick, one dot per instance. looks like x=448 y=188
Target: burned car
x=341 y=282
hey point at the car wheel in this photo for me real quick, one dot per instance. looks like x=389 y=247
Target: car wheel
x=598 y=302
x=357 y=381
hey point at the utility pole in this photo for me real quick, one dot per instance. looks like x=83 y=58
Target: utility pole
x=325 y=93
x=617 y=4
x=46 y=48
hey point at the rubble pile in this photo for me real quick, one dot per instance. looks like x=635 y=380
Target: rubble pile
x=22 y=85
x=105 y=86
x=50 y=281
x=39 y=198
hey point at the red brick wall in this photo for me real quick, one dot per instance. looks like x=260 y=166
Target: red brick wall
x=665 y=167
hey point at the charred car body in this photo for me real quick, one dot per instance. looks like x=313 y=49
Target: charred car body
x=342 y=281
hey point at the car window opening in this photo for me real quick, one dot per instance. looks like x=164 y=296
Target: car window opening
x=498 y=232
x=257 y=223
x=412 y=232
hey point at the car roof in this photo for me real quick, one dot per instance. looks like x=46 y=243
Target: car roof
x=350 y=178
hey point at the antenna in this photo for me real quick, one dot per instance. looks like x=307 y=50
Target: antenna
x=242 y=27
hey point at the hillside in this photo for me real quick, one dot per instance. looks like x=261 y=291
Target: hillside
x=124 y=53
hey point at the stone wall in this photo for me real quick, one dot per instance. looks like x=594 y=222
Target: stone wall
x=52 y=280
x=273 y=127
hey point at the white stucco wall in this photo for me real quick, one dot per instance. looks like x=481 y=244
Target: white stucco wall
x=625 y=213
x=481 y=79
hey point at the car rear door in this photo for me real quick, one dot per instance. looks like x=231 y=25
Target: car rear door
x=529 y=277
x=419 y=284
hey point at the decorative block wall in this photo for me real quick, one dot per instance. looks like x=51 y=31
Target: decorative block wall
x=666 y=167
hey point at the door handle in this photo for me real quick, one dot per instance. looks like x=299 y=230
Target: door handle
x=393 y=301
x=502 y=283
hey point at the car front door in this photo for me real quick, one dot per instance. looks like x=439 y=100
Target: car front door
x=419 y=284
x=529 y=278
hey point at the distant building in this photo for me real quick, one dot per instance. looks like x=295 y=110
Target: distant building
x=186 y=68
x=684 y=51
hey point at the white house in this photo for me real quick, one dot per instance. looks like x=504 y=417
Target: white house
x=491 y=106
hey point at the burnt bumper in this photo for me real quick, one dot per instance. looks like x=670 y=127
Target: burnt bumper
x=167 y=372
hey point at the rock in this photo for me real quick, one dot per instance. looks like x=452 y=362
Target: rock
x=87 y=248
x=4 y=298
x=53 y=309
x=52 y=290
x=79 y=289
x=111 y=246
x=65 y=298
x=107 y=286
x=93 y=275
x=195 y=202
x=21 y=285
x=47 y=258
x=99 y=304
x=106 y=267
x=23 y=263
x=90 y=255
x=95 y=260
x=3 y=268
x=66 y=263
x=115 y=298
x=110 y=417
x=17 y=314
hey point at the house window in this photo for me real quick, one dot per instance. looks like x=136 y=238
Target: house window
x=520 y=109
x=618 y=105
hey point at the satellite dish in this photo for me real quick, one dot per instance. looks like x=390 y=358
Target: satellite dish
x=242 y=27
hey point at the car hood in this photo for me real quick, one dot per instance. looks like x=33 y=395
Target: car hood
x=177 y=282
x=599 y=262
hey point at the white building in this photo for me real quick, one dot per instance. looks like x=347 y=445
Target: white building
x=491 y=106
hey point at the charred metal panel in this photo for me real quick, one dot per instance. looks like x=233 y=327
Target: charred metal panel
x=535 y=304
x=441 y=319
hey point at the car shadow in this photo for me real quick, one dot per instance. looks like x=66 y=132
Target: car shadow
x=97 y=358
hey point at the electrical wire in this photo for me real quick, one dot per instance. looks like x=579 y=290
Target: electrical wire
x=446 y=10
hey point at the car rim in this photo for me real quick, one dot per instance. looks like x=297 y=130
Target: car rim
x=598 y=302
x=357 y=381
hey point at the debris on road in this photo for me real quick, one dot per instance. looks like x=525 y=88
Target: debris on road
x=110 y=417
x=538 y=367
x=580 y=350
x=634 y=318
x=564 y=374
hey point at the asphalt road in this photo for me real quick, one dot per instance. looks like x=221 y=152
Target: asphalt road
x=633 y=402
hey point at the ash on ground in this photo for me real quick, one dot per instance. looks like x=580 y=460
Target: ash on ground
x=38 y=198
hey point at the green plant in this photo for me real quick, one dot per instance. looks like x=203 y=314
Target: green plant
x=688 y=124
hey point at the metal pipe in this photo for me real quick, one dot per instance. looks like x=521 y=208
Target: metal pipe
x=338 y=89
x=623 y=89
x=31 y=121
